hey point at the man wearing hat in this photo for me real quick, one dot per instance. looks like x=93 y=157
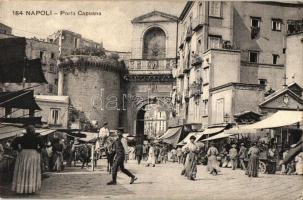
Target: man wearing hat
x=233 y=156
x=242 y=155
x=119 y=160
x=104 y=131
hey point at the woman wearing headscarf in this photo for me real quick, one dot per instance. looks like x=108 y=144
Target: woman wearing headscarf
x=213 y=164
x=151 y=156
x=190 y=166
x=27 y=171
x=253 y=163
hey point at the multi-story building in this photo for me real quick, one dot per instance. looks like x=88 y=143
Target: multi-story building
x=230 y=54
x=48 y=54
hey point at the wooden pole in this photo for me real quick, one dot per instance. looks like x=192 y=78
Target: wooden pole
x=92 y=156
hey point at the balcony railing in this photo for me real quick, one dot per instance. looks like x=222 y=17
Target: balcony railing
x=195 y=89
x=166 y=64
x=294 y=26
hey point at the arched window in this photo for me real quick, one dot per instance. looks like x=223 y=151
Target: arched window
x=154 y=42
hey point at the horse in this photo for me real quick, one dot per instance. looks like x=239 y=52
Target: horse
x=110 y=154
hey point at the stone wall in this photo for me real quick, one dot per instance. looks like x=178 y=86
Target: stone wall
x=96 y=93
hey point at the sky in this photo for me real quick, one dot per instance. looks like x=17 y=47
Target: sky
x=113 y=27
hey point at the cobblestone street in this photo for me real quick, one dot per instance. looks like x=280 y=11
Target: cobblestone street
x=164 y=182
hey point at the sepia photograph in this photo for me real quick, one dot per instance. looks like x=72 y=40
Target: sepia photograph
x=151 y=100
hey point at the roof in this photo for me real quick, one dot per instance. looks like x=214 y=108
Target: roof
x=5 y=25
x=52 y=98
x=155 y=13
x=185 y=10
x=279 y=93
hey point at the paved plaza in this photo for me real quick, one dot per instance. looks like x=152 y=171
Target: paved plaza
x=164 y=182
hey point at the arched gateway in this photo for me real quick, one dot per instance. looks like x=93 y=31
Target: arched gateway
x=149 y=78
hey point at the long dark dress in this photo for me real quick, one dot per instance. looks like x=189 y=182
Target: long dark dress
x=253 y=164
x=27 y=171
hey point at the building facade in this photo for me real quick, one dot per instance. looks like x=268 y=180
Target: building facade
x=48 y=53
x=227 y=52
x=149 y=78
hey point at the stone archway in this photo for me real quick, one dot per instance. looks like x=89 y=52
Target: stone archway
x=165 y=108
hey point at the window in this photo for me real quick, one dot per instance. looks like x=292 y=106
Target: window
x=220 y=111
x=76 y=40
x=214 y=42
x=52 y=55
x=41 y=54
x=55 y=116
x=199 y=46
x=255 y=22
x=253 y=56
x=275 y=59
x=215 y=9
x=276 y=24
x=50 y=88
x=205 y=107
x=263 y=82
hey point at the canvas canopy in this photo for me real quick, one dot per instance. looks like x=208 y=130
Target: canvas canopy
x=186 y=139
x=218 y=136
x=7 y=131
x=42 y=132
x=172 y=135
x=278 y=119
x=209 y=131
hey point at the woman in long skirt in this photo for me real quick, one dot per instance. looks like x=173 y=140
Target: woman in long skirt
x=190 y=166
x=151 y=156
x=27 y=171
x=253 y=163
x=213 y=164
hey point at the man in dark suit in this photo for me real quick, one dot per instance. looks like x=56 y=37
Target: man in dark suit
x=119 y=160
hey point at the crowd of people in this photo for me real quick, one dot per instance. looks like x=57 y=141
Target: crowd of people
x=35 y=155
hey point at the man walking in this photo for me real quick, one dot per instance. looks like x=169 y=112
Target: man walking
x=119 y=160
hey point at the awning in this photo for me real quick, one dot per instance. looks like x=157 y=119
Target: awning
x=210 y=131
x=22 y=99
x=172 y=135
x=42 y=132
x=13 y=66
x=278 y=119
x=218 y=136
x=240 y=130
x=7 y=131
x=22 y=120
x=186 y=139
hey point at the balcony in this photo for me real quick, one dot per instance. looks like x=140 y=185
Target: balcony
x=197 y=23
x=152 y=66
x=294 y=26
x=195 y=89
x=196 y=60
